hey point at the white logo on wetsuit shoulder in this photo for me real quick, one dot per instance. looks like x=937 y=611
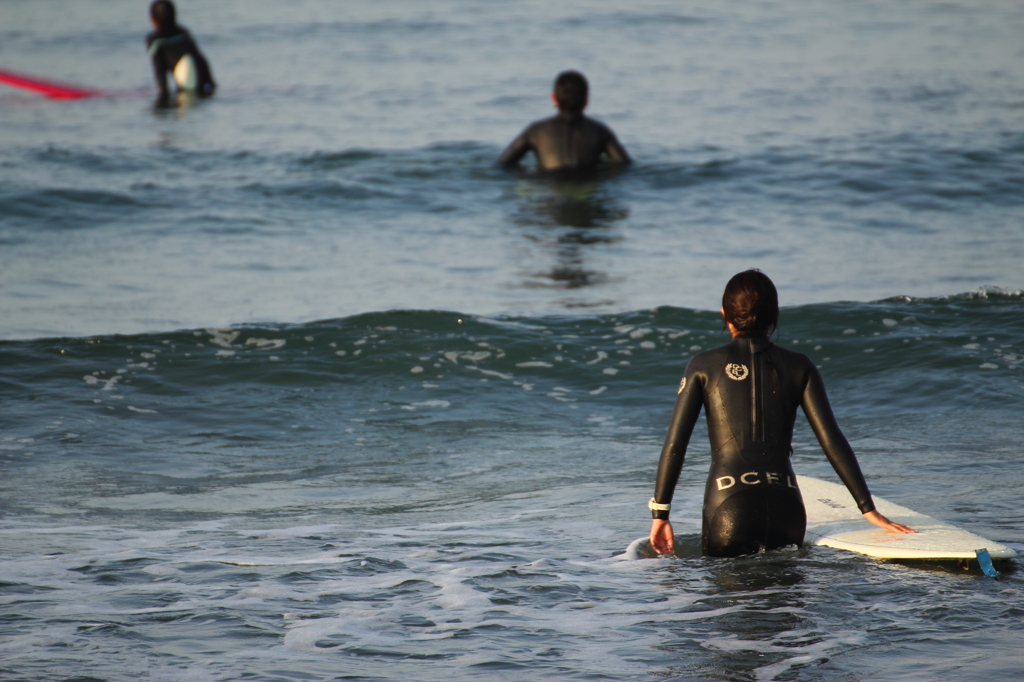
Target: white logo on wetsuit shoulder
x=736 y=372
x=682 y=385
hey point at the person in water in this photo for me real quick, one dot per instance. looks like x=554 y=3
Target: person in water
x=568 y=141
x=173 y=51
x=750 y=389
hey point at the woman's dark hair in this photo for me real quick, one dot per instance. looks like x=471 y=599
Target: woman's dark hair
x=571 y=91
x=751 y=303
x=163 y=14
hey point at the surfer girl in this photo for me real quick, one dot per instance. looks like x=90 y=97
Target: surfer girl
x=568 y=141
x=750 y=389
x=173 y=51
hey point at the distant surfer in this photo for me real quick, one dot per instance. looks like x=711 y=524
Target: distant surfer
x=750 y=389
x=568 y=141
x=173 y=51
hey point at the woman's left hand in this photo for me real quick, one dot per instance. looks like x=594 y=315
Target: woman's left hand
x=884 y=523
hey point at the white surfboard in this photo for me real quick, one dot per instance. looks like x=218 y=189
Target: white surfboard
x=185 y=73
x=833 y=520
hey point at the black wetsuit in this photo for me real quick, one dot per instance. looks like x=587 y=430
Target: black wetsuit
x=750 y=389
x=566 y=141
x=166 y=48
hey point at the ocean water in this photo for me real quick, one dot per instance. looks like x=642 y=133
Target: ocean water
x=296 y=385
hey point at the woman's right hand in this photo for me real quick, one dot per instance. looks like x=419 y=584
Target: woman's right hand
x=884 y=523
x=661 y=536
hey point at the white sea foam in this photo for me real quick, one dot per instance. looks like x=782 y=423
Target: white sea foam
x=266 y=344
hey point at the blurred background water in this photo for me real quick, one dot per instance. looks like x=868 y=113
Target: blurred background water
x=222 y=457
